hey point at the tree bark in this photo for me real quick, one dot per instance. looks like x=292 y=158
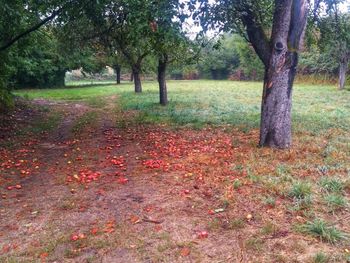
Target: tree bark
x=275 y=127
x=136 y=70
x=343 y=68
x=163 y=92
x=117 y=70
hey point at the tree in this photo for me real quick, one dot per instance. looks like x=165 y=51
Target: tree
x=124 y=26
x=230 y=56
x=169 y=42
x=19 y=19
x=275 y=30
x=41 y=60
x=130 y=35
x=335 y=38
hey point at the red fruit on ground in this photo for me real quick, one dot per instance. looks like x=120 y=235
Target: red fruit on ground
x=202 y=234
x=123 y=180
x=74 y=237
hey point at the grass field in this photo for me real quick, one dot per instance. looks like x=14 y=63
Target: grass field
x=101 y=174
x=315 y=110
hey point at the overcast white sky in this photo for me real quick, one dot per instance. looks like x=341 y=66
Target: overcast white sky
x=345 y=6
x=193 y=30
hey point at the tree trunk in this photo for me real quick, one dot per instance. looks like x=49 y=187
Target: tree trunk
x=275 y=127
x=163 y=93
x=136 y=69
x=117 y=69
x=280 y=57
x=343 y=68
x=131 y=76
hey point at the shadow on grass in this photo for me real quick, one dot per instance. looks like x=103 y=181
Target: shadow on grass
x=94 y=85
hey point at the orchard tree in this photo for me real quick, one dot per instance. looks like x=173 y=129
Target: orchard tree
x=130 y=34
x=125 y=26
x=168 y=40
x=116 y=62
x=335 y=38
x=275 y=30
x=113 y=58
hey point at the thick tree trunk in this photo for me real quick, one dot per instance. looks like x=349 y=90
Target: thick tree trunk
x=280 y=57
x=118 y=69
x=275 y=128
x=163 y=93
x=343 y=68
x=136 y=70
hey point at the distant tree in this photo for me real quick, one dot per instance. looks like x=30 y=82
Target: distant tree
x=117 y=61
x=42 y=58
x=124 y=26
x=220 y=58
x=249 y=62
x=168 y=40
x=335 y=39
x=19 y=20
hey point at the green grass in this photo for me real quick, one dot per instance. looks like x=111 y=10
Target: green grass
x=300 y=190
x=323 y=231
x=320 y=258
x=316 y=108
x=335 y=201
x=332 y=185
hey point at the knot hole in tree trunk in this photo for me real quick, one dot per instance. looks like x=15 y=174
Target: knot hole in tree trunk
x=279 y=46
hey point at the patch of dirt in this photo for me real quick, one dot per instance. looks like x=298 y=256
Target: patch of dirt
x=144 y=194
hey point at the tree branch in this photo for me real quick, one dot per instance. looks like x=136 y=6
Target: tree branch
x=297 y=23
x=257 y=37
x=30 y=30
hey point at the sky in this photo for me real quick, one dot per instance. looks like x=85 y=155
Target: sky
x=345 y=5
x=193 y=30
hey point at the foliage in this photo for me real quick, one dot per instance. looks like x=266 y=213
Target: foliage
x=327 y=41
x=30 y=51
x=224 y=57
x=249 y=62
x=168 y=36
x=219 y=59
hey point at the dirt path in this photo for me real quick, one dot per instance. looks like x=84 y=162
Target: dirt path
x=102 y=188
